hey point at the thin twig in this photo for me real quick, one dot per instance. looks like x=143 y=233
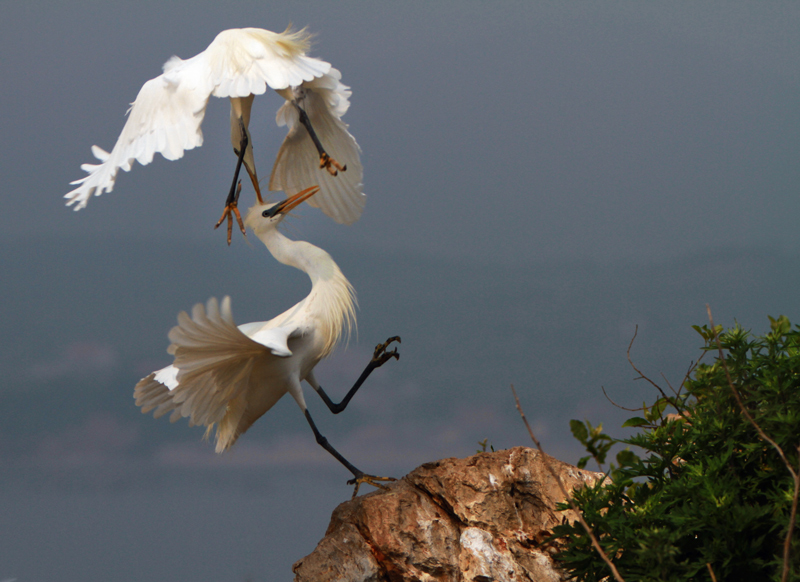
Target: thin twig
x=572 y=505
x=692 y=367
x=710 y=571
x=641 y=408
x=668 y=384
x=643 y=377
x=787 y=543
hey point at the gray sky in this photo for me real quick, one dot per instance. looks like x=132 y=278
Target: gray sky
x=607 y=131
x=541 y=178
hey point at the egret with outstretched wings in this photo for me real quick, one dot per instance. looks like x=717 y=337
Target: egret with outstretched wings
x=228 y=376
x=239 y=64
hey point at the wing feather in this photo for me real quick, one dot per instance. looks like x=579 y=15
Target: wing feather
x=248 y=60
x=213 y=366
x=165 y=118
x=297 y=163
x=167 y=114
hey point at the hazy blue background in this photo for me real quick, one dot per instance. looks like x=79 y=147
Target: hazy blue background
x=541 y=178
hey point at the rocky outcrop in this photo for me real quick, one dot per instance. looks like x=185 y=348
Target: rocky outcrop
x=478 y=519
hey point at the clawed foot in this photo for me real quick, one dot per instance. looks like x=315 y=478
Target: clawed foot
x=369 y=479
x=230 y=210
x=325 y=161
x=380 y=356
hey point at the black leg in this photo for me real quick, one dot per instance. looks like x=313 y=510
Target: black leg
x=231 y=207
x=242 y=149
x=379 y=357
x=325 y=161
x=359 y=476
x=323 y=442
x=307 y=123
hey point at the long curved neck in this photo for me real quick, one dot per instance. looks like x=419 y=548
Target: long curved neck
x=312 y=260
x=332 y=297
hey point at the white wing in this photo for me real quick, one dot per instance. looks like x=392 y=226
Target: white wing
x=168 y=112
x=297 y=164
x=213 y=364
x=165 y=119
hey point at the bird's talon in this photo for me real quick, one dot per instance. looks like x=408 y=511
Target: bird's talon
x=369 y=479
x=380 y=356
x=230 y=211
x=330 y=164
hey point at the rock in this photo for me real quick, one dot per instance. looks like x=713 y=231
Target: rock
x=478 y=519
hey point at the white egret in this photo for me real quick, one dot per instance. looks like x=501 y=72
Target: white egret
x=239 y=64
x=230 y=376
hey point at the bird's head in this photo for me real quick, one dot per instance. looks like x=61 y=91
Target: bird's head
x=262 y=217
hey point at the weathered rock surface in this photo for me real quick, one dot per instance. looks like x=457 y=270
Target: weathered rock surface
x=477 y=519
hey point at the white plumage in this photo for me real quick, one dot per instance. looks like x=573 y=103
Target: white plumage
x=239 y=64
x=230 y=376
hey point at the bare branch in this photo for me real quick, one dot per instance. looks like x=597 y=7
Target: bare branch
x=710 y=571
x=619 y=405
x=572 y=505
x=668 y=384
x=692 y=368
x=643 y=377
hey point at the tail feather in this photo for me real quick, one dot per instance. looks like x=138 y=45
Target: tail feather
x=210 y=376
x=151 y=394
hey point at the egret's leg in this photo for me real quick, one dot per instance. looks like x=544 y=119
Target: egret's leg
x=359 y=476
x=325 y=161
x=234 y=208
x=254 y=180
x=379 y=357
x=231 y=206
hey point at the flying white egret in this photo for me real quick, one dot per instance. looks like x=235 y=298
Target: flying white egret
x=230 y=376
x=240 y=64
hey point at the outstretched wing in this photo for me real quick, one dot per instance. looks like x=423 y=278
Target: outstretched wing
x=212 y=367
x=325 y=100
x=165 y=119
x=168 y=112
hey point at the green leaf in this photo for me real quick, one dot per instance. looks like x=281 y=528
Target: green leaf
x=704 y=491
x=635 y=422
x=781 y=326
x=579 y=431
x=626 y=458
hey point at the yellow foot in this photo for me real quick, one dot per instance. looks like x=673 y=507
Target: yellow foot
x=333 y=167
x=371 y=480
x=229 y=212
x=380 y=356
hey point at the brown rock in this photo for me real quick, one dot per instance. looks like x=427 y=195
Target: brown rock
x=478 y=519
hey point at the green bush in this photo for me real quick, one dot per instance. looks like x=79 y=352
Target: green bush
x=705 y=493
